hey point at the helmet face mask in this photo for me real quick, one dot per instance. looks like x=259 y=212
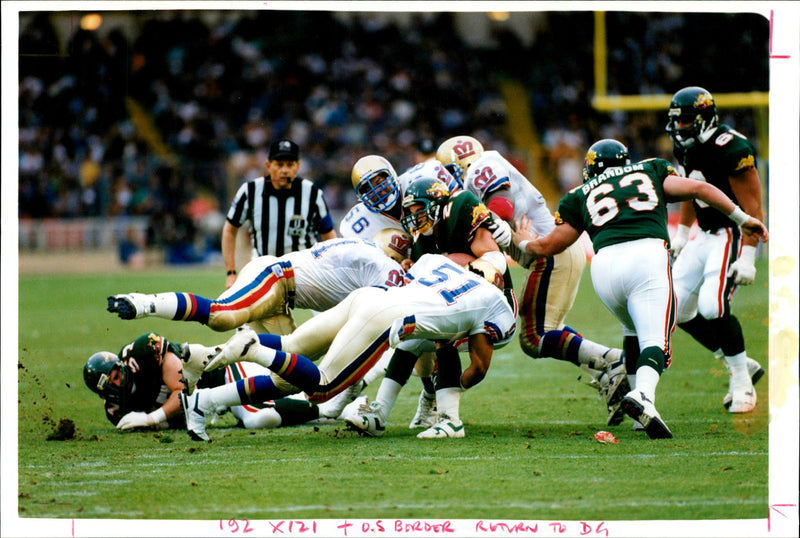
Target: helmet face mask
x=375 y=183
x=604 y=154
x=457 y=153
x=100 y=374
x=692 y=117
x=429 y=196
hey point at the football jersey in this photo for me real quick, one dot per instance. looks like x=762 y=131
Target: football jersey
x=327 y=272
x=725 y=154
x=144 y=357
x=491 y=172
x=624 y=203
x=361 y=222
x=460 y=219
x=451 y=303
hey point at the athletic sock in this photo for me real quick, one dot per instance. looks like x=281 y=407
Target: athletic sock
x=387 y=394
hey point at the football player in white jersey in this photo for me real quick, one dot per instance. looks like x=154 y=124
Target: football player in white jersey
x=443 y=302
x=317 y=278
x=552 y=283
x=380 y=192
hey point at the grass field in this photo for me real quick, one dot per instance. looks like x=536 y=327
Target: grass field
x=529 y=453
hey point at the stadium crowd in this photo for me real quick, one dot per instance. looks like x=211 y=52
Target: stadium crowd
x=217 y=94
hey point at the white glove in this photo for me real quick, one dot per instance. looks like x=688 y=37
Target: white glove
x=501 y=231
x=134 y=419
x=743 y=270
x=679 y=241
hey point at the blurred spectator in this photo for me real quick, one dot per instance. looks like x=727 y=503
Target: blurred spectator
x=217 y=93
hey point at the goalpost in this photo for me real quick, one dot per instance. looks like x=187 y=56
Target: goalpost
x=758 y=101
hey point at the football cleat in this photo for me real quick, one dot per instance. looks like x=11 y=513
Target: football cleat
x=637 y=426
x=195 y=415
x=445 y=428
x=756 y=372
x=130 y=305
x=242 y=346
x=426 y=415
x=637 y=406
x=334 y=407
x=194 y=357
x=367 y=420
x=618 y=385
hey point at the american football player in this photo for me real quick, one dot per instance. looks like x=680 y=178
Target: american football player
x=316 y=278
x=379 y=191
x=623 y=208
x=440 y=222
x=442 y=302
x=140 y=387
x=552 y=283
x=709 y=268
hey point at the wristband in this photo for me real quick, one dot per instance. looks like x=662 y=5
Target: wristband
x=523 y=245
x=683 y=231
x=738 y=216
x=157 y=416
x=231 y=272
x=748 y=254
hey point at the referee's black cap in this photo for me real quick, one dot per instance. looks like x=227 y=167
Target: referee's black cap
x=426 y=146
x=284 y=149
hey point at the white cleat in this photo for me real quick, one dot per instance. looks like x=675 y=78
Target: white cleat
x=130 y=305
x=445 y=428
x=637 y=406
x=426 y=415
x=743 y=399
x=195 y=357
x=367 y=419
x=756 y=372
x=618 y=385
x=333 y=408
x=242 y=346
x=195 y=415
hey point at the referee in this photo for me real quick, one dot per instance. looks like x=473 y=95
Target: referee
x=286 y=212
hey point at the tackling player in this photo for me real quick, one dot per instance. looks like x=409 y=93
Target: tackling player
x=552 y=283
x=316 y=278
x=380 y=192
x=709 y=268
x=623 y=208
x=442 y=302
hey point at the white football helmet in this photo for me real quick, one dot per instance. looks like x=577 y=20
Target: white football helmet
x=394 y=242
x=375 y=182
x=457 y=153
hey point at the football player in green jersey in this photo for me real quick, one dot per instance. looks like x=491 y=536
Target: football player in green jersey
x=623 y=208
x=709 y=268
x=140 y=387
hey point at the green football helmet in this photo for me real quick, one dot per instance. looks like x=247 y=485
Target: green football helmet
x=97 y=374
x=692 y=117
x=604 y=154
x=433 y=194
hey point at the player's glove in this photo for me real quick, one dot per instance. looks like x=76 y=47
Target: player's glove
x=679 y=241
x=743 y=270
x=134 y=419
x=501 y=231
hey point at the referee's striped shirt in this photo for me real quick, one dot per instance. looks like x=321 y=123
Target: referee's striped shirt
x=281 y=220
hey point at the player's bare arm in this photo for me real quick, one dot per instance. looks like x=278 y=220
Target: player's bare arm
x=480 y=356
x=747 y=189
x=551 y=244
x=679 y=188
